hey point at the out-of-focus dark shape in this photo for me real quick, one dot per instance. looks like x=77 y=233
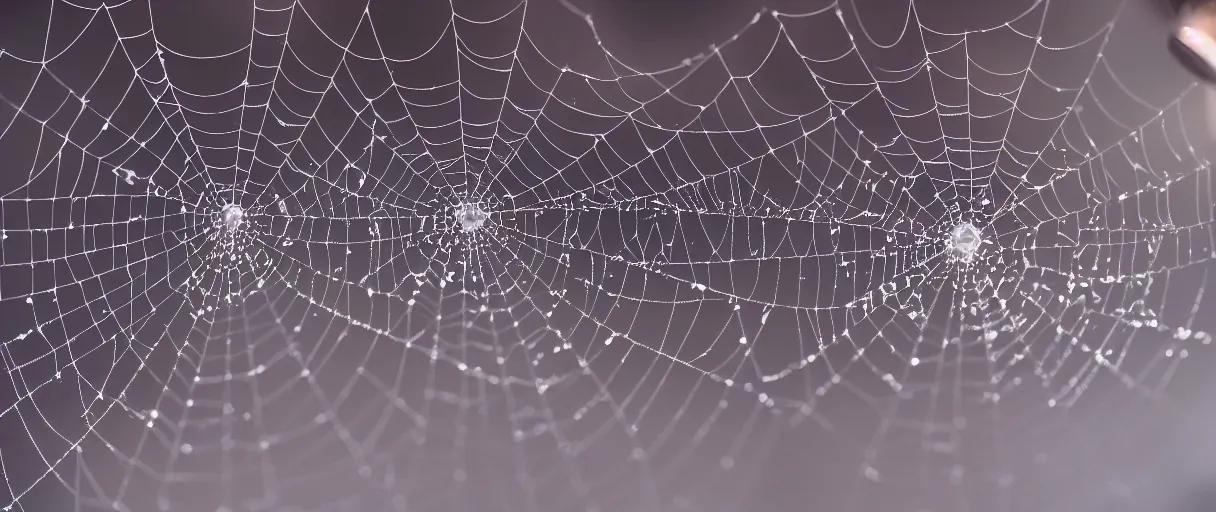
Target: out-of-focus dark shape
x=1193 y=41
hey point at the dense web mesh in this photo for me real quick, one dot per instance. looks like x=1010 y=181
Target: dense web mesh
x=277 y=255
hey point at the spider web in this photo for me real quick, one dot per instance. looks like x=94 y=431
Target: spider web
x=307 y=256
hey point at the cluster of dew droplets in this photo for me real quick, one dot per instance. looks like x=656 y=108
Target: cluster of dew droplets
x=230 y=264
x=470 y=217
x=964 y=243
x=232 y=217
